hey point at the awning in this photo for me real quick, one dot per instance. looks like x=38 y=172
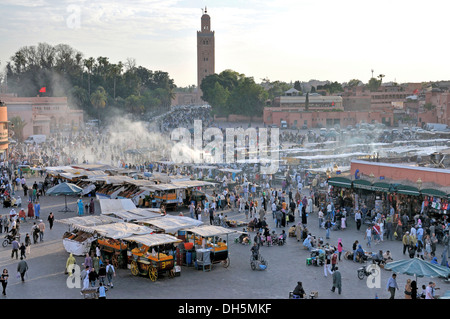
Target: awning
x=82 y=222
x=362 y=184
x=153 y=239
x=381 y=187
x=433 y=192
x=120 y=230
x=172 y=224
x=208 y=231
x=340 y=182
x=408 y=190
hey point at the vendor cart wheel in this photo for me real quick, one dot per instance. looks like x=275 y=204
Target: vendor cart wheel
x=226 y=262
x=153 y=273
x=134 y=268
x=115 y=261
x=253 y=265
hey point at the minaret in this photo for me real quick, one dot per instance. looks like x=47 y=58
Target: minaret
x=205 y=50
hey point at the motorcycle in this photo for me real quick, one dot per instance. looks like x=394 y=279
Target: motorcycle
x=9 y=239
x=364 y=271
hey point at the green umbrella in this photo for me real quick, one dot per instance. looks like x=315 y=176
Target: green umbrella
x=64 y=189
x=418 y=267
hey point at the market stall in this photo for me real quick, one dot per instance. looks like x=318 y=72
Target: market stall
x=208 y=245
x=111 y=243
x=78 y=239
x=153 y=255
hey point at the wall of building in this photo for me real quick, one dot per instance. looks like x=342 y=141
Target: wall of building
x=43 y=114
x=401 y=172
x=296 y=117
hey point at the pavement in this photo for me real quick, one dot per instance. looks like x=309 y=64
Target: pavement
x=286 y=265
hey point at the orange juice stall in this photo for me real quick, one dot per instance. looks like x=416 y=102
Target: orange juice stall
x=152 y=255
x=110 y=238
x=210 y=244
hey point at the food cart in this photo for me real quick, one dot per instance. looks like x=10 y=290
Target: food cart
x=111 y=243
x=153 y=256
x=209 y=247
x=78 y=239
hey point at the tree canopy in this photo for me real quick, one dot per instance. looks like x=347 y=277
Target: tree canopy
x=89 y=83
x=233 y=93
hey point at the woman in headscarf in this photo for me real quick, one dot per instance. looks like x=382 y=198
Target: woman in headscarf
x=360 y=253
x=70 y=263
x=339 y=248
x=92 y=207
x=30 y=210
x=299 y=292
x=307 y=242
x=298 y=231
x=80 y=207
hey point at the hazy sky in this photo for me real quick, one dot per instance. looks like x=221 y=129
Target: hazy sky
x=284 y=40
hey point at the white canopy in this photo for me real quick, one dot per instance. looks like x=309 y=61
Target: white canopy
x=82 y=222
x=210 y=230
x=120 y=230
x=137 y=214
x=110 y=206
x=171 y=224
x=153 y=239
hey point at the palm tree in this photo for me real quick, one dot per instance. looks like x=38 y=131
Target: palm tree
x=116 y=69
x=89 y=64
x=98 y=99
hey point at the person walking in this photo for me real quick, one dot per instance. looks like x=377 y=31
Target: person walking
x=368 y=236
x=15 y=249
x=406 y=240
x=4 y=280
x=51 y=219
x=102 y=274
x=110 y=273
x=23 y=249
x=337 y=281
x=392 y=285
x=22 y=268
x=102 y=291
x=35 y=232
x=328 y=226
x=334 y=260
x=92 y=207
x=70 y=263
x=88 y=261
x=340 y=248
x=30 y=210
x=80 y=207
x=413 y=289
x=41 y=226
x=28 y=244
x=37 y=210
x=358 y=220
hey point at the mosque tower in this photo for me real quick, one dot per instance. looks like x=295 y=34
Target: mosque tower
x=205 y=50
